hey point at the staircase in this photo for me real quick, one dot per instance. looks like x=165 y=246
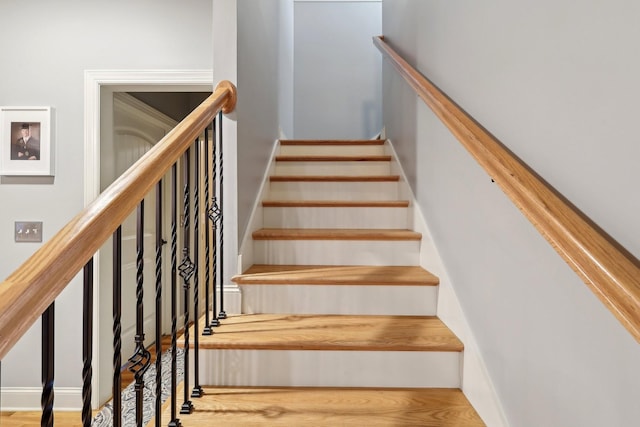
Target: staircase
x=339 y=322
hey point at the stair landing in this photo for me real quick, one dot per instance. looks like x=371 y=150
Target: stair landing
x=280 y=406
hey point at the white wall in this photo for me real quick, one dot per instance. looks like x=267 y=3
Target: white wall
x=558 y=85
x=257 y=45
x=63 y=39
x=258 y=93
x=285 y=104
x=337 y=80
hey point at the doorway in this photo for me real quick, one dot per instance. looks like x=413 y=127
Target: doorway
x=113 y=142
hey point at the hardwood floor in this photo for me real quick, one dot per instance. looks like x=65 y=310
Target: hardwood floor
x=275 y=406
x=326 y=332
x=266 y=274
x=333 y=234
x=335 y=203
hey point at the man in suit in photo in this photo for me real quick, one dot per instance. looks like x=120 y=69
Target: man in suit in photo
x=26 y=147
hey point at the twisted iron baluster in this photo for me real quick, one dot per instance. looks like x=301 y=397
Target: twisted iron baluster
x=223 y=314
x=117 y=327
x=213 y=214
x=207 y=253
x=46 y=401
x=87 y=342
x=197 y=389
x=159 y=243
x=186 y=271
x=140 y=360
x=175 y=422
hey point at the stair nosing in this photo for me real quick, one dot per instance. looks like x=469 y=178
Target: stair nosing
x=334 y=178
x=336 y=234
x=314 y=332
x=355 y=142
x=336 y=203
x=333 y=158
x=265 y=274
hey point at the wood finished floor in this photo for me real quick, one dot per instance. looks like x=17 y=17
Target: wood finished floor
x=334 y=178
x=335 y=203
x=331 y=142
x=334 y=234
x=293 y=407
x=331 y=332
x=267 y=274
x=317 y=158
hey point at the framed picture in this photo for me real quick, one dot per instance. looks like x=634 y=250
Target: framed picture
x=26 y=144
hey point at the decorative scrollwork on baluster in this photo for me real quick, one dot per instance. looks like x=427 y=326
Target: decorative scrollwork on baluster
x=187 y=268
x=214 y=213
x=140 y=361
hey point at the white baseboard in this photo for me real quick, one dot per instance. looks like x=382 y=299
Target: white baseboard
x=476 y=383
x=232 y=299
x=28 y=398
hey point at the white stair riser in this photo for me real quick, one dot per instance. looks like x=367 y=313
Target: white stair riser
x=333 y=191
x=333 y=168
x=332 y=150
x=337 y=252
x=336 y=217
x=340 y=299
x=302 y=368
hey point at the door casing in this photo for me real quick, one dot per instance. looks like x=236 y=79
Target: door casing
x=98 y=102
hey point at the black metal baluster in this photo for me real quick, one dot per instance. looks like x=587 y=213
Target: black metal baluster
x=207 y=252
x=159 y=243
x=214 y=215
x=87 y=343
x=186 y=271
x=48 y=347
x=175 y=422
x=223 y=314
x=139 y=362
x=197 y=389
x=117 y=327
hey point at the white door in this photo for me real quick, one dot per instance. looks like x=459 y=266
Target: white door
x=136 y=129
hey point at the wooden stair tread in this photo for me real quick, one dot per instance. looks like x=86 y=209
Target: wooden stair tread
x=334 y=178
x=335 y=203
x=331 y=142
x=334 y=234
x=264 y=274
x=331 y=332
x=325 y=158
x=310 y=406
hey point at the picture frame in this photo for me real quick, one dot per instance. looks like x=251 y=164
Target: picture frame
x=26 y=141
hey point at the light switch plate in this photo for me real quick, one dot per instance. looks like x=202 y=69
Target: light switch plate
x=28 y=231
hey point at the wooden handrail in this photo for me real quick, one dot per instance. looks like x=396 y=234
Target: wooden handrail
x=611 y=272
x=29 y=290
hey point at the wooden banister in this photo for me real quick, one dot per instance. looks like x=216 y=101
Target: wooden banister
x=29 y=290
x=611 y=272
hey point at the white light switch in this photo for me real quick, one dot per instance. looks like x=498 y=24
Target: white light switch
x=28 y=231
